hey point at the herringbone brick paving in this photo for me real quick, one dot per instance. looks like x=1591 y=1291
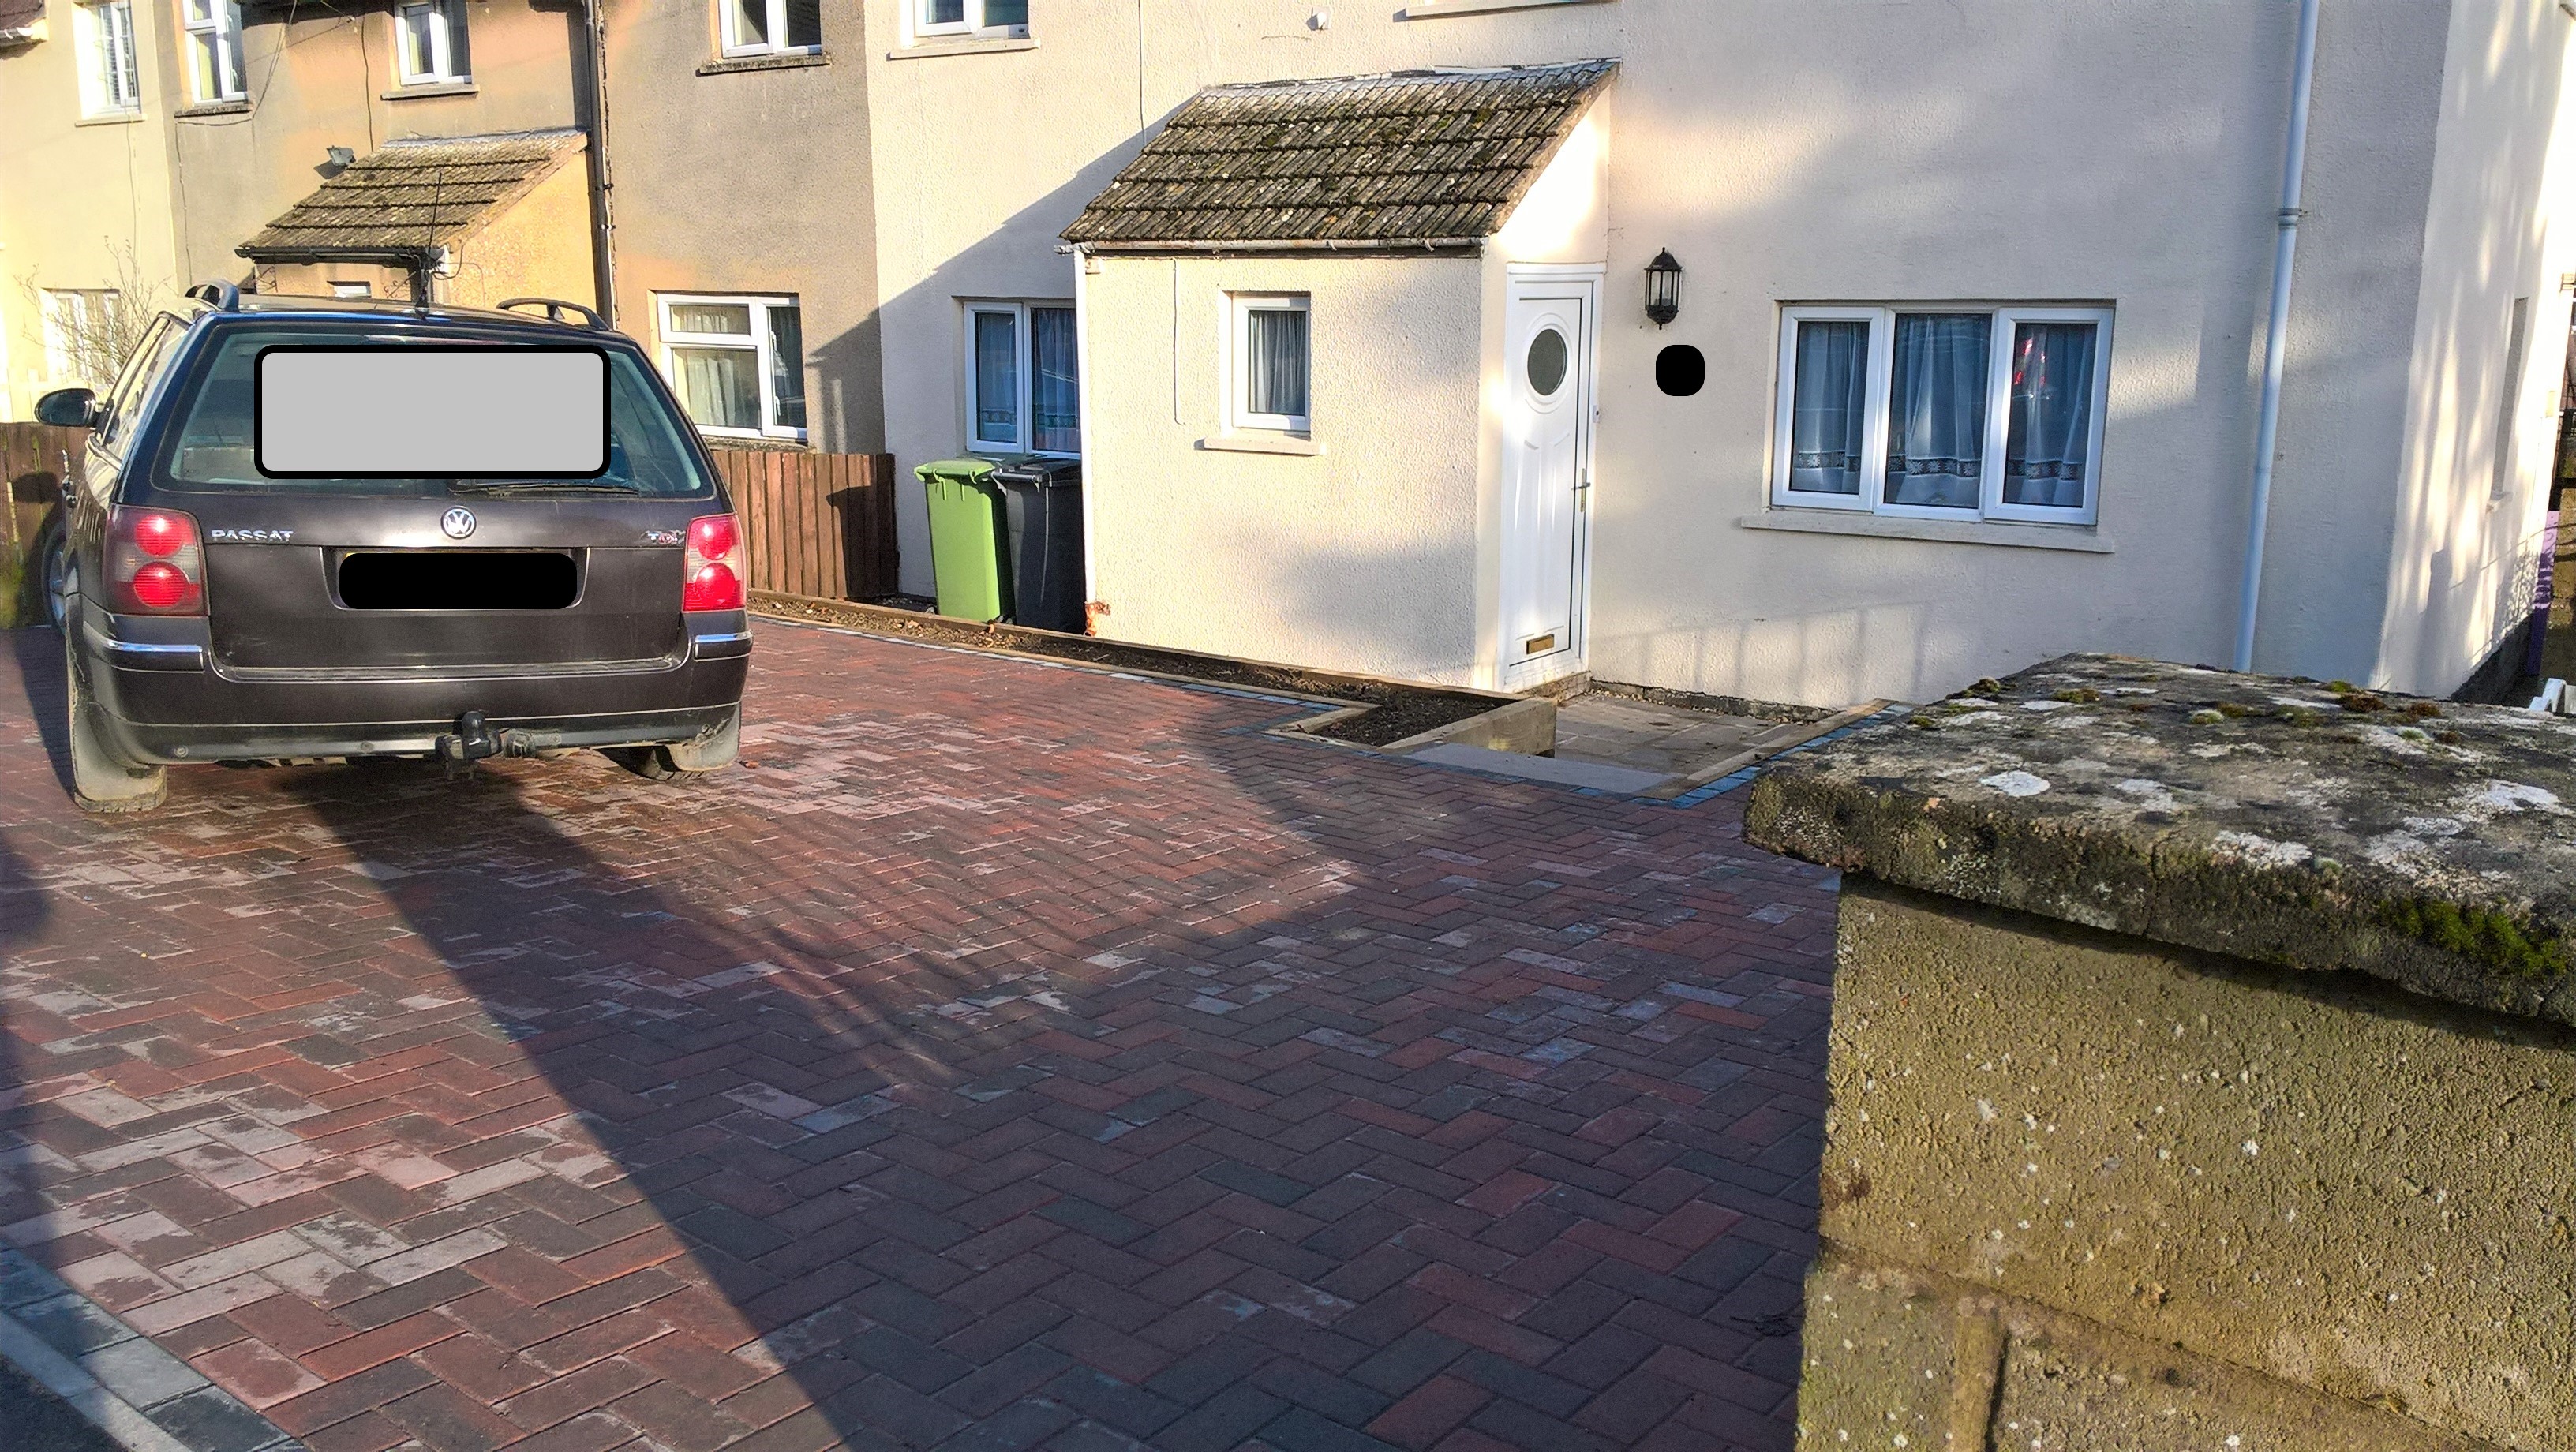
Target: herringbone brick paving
x=1007 y=1056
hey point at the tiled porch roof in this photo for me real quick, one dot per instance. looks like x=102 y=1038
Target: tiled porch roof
x=1412 y=157
x=414 y=193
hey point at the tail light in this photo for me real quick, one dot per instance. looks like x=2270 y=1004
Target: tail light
x=714 y=564
x=156 y=563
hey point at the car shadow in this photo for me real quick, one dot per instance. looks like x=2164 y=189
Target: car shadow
x=38 y=653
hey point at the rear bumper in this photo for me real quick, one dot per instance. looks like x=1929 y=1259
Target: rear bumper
x=167 y=703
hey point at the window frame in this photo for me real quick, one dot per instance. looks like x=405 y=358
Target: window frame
x=972 y=27
x=111 y=74
x=759 y=345
x=1239 y=417
x=2005 y=320
x=61 y=367
x=223 y=22
x=731 y=45
x=1025 y=360
x=446 y=19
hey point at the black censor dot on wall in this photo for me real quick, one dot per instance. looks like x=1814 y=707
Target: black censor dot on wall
x=1680 y=370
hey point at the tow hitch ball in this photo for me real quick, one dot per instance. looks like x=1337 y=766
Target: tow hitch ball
x=473 y=740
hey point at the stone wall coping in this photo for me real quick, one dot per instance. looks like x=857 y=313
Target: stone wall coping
x=2276 y=819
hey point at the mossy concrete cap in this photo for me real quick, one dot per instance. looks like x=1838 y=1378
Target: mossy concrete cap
x=2287 y=821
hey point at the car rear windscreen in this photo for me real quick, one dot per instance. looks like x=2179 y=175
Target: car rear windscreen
x=210 y=448
x=349 y=411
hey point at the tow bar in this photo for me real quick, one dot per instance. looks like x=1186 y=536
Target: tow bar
x=473 y=740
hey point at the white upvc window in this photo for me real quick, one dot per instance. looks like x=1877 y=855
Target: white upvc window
x=429 y=44
x=214 y=29
x=110 y=83
x=1269 y=364
x=1023 y=388
x=1932 y=412
x=772 y=27
x=951 y=19
x=737 y=363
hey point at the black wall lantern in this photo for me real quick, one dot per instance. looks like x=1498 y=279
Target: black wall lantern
x=1663 y=288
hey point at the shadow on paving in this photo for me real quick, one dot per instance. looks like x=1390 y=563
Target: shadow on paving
x=986 y=1162
x=1020 y=1058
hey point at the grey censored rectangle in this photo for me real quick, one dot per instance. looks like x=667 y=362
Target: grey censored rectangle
x=431 y=412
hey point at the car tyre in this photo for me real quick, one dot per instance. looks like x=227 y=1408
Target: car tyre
x=103 y=780
x=54 y=570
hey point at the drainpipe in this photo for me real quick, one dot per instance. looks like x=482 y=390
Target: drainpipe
x=603 y=265
x=2267 y=431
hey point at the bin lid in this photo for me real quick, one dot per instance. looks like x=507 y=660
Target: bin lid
x=1045 y=472
x=967 y=471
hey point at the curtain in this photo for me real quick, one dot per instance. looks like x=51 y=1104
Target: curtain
x=720 y=387
x=1274 y=362
x=2050 y=433
x=1059 y=398
x=1936 y=416
x=1830 y=397
x=997 y=379
x=943 y=12
x=787 y=365
x=717 y=318
x=751 y=22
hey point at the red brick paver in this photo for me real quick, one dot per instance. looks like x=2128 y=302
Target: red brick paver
x=1007 y=1056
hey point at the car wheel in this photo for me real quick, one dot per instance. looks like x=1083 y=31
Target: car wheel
x=102 y=779
x=649 y=762
x=54 y=570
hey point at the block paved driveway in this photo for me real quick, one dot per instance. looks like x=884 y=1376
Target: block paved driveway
x=1011 y=1056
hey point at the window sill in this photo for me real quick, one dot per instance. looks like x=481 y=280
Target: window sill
x=1429 y=9
x=1296 y=444
x=794 y=60
x=2076 y=538
x=211 y=108
x=975 y=45
x=431 y=88
x=111 y=118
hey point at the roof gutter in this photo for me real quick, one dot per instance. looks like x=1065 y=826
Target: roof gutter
x=1247 y=247
x=2276 y=339
x=421 y=263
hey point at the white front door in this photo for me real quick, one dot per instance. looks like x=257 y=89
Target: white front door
x=1547 y=476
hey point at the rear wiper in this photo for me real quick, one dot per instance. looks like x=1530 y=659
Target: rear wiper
x=541 y=486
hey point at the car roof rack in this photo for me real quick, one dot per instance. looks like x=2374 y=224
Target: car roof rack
x=555 y=309
x=223 y=297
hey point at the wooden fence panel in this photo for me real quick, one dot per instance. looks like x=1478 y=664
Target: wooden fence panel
x=33 y=459
x=819 y=525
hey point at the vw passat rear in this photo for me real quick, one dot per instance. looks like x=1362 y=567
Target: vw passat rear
x=312 y=529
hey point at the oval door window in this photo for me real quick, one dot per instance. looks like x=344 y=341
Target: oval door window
x=1548 y=357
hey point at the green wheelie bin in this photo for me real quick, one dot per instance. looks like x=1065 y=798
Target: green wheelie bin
x=967 y=542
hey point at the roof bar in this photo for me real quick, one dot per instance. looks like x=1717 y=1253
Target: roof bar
x=555 y=309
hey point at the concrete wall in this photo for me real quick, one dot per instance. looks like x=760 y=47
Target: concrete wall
x=2217 y=1198
x=1361 y=556
x=752 y=181
x=83 y=204
x=322 y=80
x=2466 y=530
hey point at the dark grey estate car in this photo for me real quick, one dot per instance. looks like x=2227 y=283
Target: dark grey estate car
x=214 y=611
